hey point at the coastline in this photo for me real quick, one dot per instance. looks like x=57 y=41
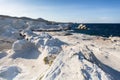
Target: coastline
x=60 y=55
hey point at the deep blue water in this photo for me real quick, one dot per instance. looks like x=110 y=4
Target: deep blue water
x=104 y=30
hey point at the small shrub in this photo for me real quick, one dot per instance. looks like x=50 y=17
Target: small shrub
x=49 y=59
x=46 y=61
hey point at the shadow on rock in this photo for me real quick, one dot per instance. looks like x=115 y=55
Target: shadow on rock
x=25 y=49
x=29 y=54
x=2 y=54
x=112 y=73
x=8 y=73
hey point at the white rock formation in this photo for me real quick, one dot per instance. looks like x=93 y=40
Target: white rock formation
x=25 y=55
x=9 y=73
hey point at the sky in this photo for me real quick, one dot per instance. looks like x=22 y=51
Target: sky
x=83 y=11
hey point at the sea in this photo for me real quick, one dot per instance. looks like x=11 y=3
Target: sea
x=100 y=29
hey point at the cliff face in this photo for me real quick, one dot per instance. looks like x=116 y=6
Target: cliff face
x=29 y=55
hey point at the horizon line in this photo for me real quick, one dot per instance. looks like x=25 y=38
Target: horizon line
x=60 y=21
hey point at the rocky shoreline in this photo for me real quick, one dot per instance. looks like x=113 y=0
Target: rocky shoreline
x=29 y=55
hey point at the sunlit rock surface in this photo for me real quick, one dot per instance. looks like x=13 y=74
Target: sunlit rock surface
x=29 y=55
